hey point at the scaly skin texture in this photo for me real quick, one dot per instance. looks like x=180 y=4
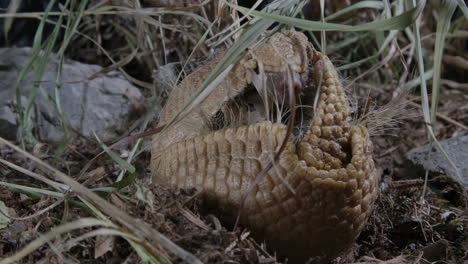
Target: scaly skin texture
x=331 y=168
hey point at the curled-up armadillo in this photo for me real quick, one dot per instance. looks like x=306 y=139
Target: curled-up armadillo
x=330 y=168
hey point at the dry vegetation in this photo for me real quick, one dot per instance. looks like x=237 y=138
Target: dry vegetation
x=149 y=41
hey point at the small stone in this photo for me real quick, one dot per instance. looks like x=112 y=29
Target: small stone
x=8 y=125
x=430 y=158
x=436 y=251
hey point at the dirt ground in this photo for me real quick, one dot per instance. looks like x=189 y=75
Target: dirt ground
x=405 y=227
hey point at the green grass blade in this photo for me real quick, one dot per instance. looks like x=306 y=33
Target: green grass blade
x=103 y=8
x=397 y=22
x=23 y=114
x=8 y=22
x=145 y=256
x=130 y=158
x=393 y=34
x=64 y=121
x=4 y=215
x=417 y=81
x=72 y=26
x=359 y=5
x=420 y=63
x=462 y=6
x=129 y=167
x=31 y=190
x=38 y=63
x=425 y=98
x=346 y=42
x=446 y=13
x=323 y=36
x=70 y=29
x=125 y=164
x=124 y=182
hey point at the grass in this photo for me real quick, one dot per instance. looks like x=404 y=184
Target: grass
x=368 y=50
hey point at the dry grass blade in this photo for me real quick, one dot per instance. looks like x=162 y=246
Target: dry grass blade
x=99 y=232
x=78 y=224
x=56 y=185
x=39 y=212
x=115 y=66
x=380 y=120
x=152 y=238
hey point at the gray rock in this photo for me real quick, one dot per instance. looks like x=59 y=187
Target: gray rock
x=8 y=125
x=430 y=158
x=101 y=105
